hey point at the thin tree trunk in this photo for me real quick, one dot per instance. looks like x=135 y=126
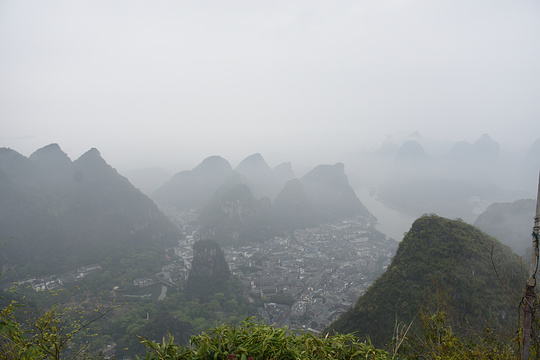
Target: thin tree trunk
x=531 y=283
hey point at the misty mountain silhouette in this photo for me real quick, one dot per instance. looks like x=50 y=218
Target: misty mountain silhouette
x=482 y=151
x=458 y=184
x=193 y=189
x=511 y=223
x=533 y=155
x=485 y=148
x=235 y=206
x=235 y=216
x=258 y=176
x=293 y=209
x=453 y=198
x=64 y=214
x=328 y=189
x=231 y=211
x=460 y=151
x=51 y=156
x=283 y=173
x=388 y=148
x=411 y=151
x=263 y=181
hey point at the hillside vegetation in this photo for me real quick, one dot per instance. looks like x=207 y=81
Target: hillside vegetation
x=480 y=280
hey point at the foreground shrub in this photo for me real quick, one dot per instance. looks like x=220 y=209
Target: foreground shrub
x=255 y=341
x=438 y=340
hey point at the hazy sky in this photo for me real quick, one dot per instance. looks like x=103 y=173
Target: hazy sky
x=172 y=82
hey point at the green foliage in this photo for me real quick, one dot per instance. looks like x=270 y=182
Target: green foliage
x=14 y=343
x=178 y=314
x=257 y=341
x=450 y=254
x=59 y=332
x=55 y=333
x=439 y=340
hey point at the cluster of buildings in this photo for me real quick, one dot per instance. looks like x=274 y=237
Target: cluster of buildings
x=168 y=276
x=309 y=277
x=52 y=282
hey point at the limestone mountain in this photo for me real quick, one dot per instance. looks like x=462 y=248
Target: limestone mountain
x=258 y=176
x=511 y=223
x=388 y=149
x=457 y=183
x=18 y=168
x=60 y=214
x=235 y=216
x=209 y=272
x=411 y=151
x=51 y=161
x=533 y=154
x=235 y=206
x=460 y=151
x=293 y=209
x=485 y=149
x=328 y=189
x=446 y=255
x=193 y=189
x=283 y=173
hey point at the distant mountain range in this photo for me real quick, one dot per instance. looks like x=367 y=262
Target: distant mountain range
x=460 y=183
x=443 y=265
x=254 y=202
x=194 y=188
x=58 y=214
x=414 y=176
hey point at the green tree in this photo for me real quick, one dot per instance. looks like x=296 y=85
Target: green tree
x=56 y=333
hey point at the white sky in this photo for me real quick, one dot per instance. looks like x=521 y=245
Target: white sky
x=169 y=83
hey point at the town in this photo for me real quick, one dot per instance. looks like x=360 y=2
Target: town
x=309 y=277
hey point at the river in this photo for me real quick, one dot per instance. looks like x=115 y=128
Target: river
x=390 y=222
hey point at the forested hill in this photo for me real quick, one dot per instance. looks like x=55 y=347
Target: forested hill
x=58 y=214
x=443 y=256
